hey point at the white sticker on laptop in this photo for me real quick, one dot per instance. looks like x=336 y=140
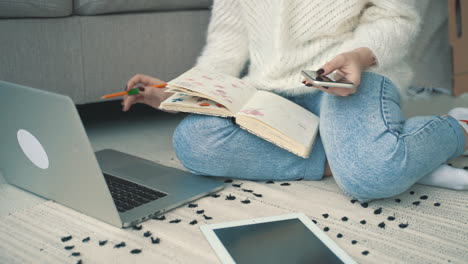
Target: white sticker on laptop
x=33 y=149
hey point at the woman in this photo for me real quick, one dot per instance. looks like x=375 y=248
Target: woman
x=364 y=141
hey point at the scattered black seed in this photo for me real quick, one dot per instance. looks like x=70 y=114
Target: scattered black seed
x=194 y=222
x=41 y=249
x=285 y=184
x=121 y=244
x=339 y=235
x=437 y=204
x=397 y=200
x=214 y=195
x=450 y=164
x=207 y=217
x=147 y=234
x=416 y=203
x=363 y=222
x=391 y=218
x=353 y=201
x=247 y=190
x=315 y=222
x=326 y=229
x=412 y=192
x=354 y=242
x=403 y=225
x=424 y=197
x=344 y=219
x=86 y=240
x=325 y=215
x=300 y=179
x=191 y=205
x=378 y=211
x=382 y=225
x=365 y=205
x=200 y=211
x=67 y=238
x=270 y=182
x=76 y=254
x=137 y=227
x=135 y=251
x=257 y=194
x=79 y=262
x=102 y=242
x=155 y=240
x=246 y=201
x=365 y=253
x=465 y=168
x=230 y=197
x=69 y=247
x=228 y=181
x=175 y=221
x=237 y=185
x=161 y=218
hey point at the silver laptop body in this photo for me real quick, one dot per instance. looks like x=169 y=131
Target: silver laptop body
x=44 y=149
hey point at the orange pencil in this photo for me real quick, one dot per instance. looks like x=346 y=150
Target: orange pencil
x=132 y=91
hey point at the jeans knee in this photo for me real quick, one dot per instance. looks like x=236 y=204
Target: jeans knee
x=195 y=140
x=372 y=181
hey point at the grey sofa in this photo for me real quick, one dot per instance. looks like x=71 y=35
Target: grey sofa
x=86 y=48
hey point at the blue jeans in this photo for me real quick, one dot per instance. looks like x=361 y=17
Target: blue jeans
x=372 y=151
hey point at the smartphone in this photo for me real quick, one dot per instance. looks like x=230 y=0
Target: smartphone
x=332 y=80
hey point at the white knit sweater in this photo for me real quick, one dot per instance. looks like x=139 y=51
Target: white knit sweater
x=282 y=37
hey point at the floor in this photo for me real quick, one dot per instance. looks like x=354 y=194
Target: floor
x=436 y=233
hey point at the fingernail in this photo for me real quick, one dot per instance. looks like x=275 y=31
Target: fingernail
x=320 y=71
x=308 y=84
x=141 y=89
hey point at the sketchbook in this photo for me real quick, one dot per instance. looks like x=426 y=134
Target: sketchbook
x=261 y=113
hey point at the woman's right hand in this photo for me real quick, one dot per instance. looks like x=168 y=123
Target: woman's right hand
x=147 y=95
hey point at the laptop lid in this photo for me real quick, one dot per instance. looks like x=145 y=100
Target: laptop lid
x=45 y=150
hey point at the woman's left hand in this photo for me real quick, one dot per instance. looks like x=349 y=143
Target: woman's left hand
x=350 y=65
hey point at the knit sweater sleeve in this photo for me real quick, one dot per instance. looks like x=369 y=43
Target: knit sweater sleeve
x=388 y=28
x=226 y=49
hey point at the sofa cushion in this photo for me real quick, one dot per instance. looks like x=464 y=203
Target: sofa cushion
x=35 y=8
x=96 y=7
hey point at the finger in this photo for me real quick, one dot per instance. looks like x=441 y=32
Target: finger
x=354 y=75
x=336 y=63
x=326 y=90
x=137 y=79
x=130 y=100
x=342 y=91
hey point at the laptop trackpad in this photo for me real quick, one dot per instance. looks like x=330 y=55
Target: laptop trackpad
x=153 y=174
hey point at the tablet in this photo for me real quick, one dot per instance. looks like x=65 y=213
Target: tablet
x=291 y=238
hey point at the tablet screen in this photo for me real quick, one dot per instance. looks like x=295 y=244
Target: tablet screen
x=283 y=241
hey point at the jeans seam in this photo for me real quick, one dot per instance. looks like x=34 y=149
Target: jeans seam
x=420 y=129
x=458 y=138
x=382 y=107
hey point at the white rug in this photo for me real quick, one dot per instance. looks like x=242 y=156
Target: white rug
x=31 y=229
x=434 y=234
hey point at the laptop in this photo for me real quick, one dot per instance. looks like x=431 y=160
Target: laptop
x=45 y=150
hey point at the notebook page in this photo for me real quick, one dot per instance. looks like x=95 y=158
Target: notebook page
x=283 y=115
x=230 y=91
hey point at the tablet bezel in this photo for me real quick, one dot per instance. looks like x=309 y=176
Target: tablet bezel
x=225 y=257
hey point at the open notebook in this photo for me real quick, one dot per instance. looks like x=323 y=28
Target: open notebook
x=262 y=113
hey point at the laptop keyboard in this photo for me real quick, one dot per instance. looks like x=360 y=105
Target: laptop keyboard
x=128 y=195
